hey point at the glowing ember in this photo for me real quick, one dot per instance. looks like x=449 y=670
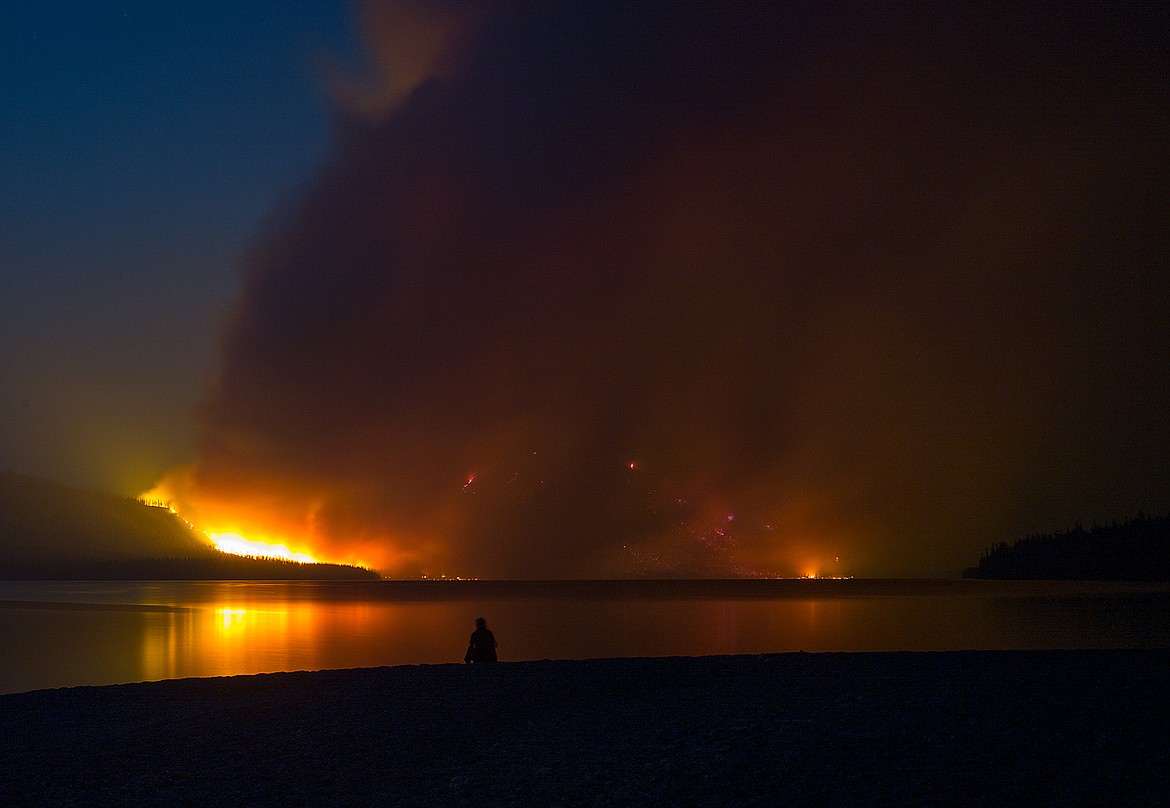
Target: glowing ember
x=237 y=545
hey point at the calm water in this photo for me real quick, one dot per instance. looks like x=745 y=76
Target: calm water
x=63 y=633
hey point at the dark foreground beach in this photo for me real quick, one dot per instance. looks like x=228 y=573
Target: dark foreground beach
x=978 y=728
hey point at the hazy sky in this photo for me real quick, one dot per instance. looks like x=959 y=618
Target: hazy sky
x=594 y=289
x=142 y=145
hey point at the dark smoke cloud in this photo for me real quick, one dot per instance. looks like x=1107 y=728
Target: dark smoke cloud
x=862 y=285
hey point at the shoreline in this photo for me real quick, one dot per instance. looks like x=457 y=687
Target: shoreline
x=973 y=727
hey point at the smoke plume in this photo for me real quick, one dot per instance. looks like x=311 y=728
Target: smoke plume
x=607 y=289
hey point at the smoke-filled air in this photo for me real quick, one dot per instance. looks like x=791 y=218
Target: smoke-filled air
x=626 y=289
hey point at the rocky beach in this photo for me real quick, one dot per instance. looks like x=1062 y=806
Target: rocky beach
x=972 y=728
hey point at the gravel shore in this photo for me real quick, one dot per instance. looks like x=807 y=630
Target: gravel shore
x=974 y=728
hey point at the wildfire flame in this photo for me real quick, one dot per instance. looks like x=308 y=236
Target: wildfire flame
x=229 y=541
x=236 y=544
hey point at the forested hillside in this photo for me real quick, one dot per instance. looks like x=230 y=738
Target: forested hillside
x=1137 y=550
x=51 y=531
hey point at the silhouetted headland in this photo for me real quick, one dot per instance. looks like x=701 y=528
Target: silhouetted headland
x=960 y=728
x=1137 y=550
x=51 y=531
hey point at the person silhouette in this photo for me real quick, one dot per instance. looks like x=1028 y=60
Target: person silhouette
x=481 y=649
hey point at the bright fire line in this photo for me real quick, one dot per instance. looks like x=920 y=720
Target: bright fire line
x=237 y=545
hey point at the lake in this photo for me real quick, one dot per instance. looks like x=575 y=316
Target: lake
x=65 y=633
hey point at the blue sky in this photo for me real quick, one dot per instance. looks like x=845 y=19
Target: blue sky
x=142 y=147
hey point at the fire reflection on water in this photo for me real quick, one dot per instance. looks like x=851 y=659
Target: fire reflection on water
x=238 y=638
x=75 y=633
x=231 y=617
